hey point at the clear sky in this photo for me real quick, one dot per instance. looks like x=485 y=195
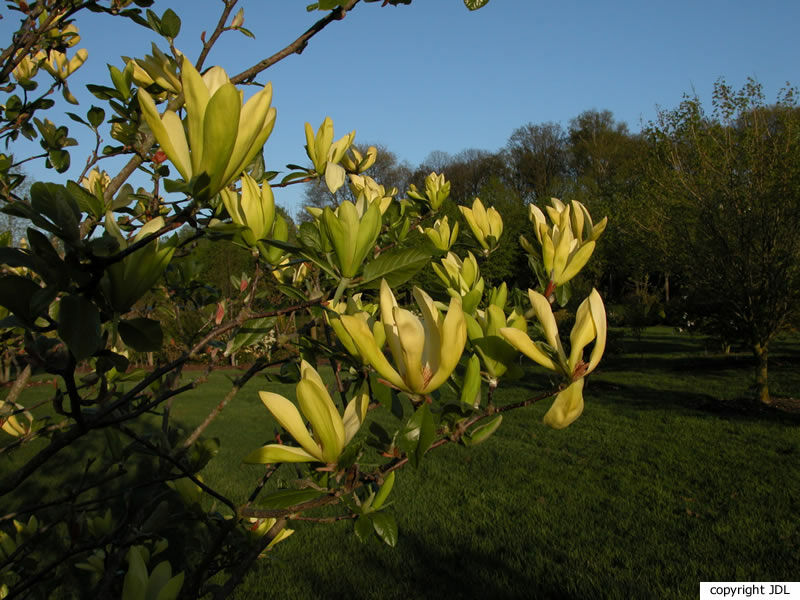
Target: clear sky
x=435 y=76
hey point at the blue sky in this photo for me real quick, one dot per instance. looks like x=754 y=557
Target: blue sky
x=435 y=76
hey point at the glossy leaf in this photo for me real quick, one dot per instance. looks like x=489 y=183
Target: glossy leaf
x=385 y=526
x=417 y=435
x=395 y=266
x=79 y=325
x=170 y=24
x=143 y=335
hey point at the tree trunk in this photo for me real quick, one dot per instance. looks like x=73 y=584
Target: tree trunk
x=762 y=387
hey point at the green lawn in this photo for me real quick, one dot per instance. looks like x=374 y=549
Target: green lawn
x=662 y=483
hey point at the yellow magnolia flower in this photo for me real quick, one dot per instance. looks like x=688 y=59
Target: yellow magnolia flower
x=135 y=274
x=325 y=154
x=461 y=276
x=262 y=526
x=484 y=334
x=351 y=234
x=356 y=308
x=9 y=422
x=359 y=163
x=290 y=274
x=156 y=68
x=590 y=324
x=330 y=432
x=440 y=235
x=486 y=224
x=368 y=191
x=97 y=180
x=462 y=279
x=223 y=135
x=28 y=67
x=61 y=68
x=437 y=189
x=141 y=584
x=425 y=352
x=567 y=245
x=253 y=208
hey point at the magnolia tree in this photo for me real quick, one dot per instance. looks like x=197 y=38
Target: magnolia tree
x=133 y=515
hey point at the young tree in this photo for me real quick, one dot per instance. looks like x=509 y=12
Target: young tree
x=731 y=181
x=125 y=510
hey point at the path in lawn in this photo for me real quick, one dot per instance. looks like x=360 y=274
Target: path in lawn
x=661 y=484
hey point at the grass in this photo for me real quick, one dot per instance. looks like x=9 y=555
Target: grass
x=665 y=481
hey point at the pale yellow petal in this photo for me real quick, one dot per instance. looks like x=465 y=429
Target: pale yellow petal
x=318 y=408
x=278 y=453
x=567 y=407
x=289 y=418
x=411 y=335
x=453 y=336
x=601 y=326
x=522 y=342
x=369 y=349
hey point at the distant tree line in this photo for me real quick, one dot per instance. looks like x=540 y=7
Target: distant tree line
x=703 y=210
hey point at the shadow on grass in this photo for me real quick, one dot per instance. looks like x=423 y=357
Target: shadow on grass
x=642 y=397
x=708 y=364
x=459 y=572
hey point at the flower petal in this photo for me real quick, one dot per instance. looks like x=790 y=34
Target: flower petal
x=411 y=334
x=523 y=343
x=318 y=408
x=369 y=349
x=601 y=325
x=355 y=413
x=278 y=453
x=289 y=418
x=453 y=335
x=567 y=407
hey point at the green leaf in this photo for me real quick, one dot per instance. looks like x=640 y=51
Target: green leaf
x=153 y=21
x=53 y=201
x=117 y=76
x=250 y=333
x=363 y=528
x=96 y=116
x=202 y=452
x=76 y=118
x=143 y=335
x=308 y=235
x=383 y=493
x=87 y=203
x=59 y=160
x=285 y=498
x=79 y=326
x=475 y=4
x=108 y=360
x=417 y=435
x=482 y=432
x=44 y=250
x=16 y=293
x=170 y=24
x=471 y=388
x=381 y=393
x=396 y=266
x=292 y=292
x=382 y=438
x=102 y=92
x=564 y=293
x=385 y=526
